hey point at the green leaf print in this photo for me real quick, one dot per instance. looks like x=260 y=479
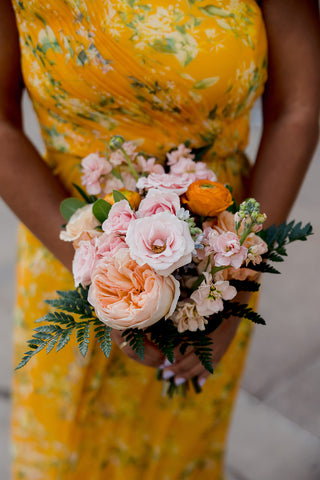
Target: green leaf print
x=82 y=58
x=214 y=11
x=164 y=46
x=205 y=83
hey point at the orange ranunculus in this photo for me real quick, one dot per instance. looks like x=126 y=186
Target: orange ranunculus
x=207 y=198
x=133 y=197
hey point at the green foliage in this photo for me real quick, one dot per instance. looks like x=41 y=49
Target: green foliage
x=135 y=338
x=87 y=198
x=165 y=335
x=245 y=286
x=69 y=206
x=60 y=325
x=200 y=152
x=103 y=337
x=118 y=196
x=101 y=210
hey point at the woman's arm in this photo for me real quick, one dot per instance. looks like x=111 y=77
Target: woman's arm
x=27 y=184
x=291 y=110
x=290 y=105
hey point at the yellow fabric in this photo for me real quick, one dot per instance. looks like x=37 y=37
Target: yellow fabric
x=187 y=70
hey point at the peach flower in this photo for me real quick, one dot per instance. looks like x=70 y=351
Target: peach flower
x=180 y=152
x=126 y=295
x=149 y=165
x=82 y=221
x=186 y=317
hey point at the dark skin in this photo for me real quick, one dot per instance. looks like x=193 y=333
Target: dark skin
x=290 y=134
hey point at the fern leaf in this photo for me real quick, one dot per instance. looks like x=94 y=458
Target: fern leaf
x=135 y=338
x=103 y=337
x=64 y=339
x=83 y=336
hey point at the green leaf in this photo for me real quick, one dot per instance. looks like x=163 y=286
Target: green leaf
x=245 y=285
x=205 y=83
x=69 y=206
x=101 y=210
x=264 y=268
x=275 y=257
x=116 y=174
x=118 y=196
x=83 y=337
x=103 y=337
x=64 y=339
x=85 y=196
x=135 y=338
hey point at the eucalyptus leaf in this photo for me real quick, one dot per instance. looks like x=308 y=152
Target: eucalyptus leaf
x=101 y=209
x=69 y=206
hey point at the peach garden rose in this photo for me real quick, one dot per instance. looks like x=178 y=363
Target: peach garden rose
x=127 y=295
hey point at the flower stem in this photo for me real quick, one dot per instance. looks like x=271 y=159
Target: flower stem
x=132 y=170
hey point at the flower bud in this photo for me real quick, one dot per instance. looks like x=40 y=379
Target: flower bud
x=116 y=142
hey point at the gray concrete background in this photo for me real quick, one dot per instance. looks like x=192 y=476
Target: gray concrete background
x=275 y=433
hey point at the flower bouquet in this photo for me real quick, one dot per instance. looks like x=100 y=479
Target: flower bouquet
x=160 y=253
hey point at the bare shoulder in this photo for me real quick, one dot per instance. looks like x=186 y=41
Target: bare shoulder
x=294 y=50
x=11 y=84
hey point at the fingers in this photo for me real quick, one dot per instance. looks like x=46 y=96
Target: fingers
x=152 y=356
x=186 y=368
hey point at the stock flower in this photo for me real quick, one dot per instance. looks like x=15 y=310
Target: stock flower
x=207 y=198
x=157 y=201
x=133 y=197
x=227 y=250
x=181 y=152
x=256 y=247
x=117 y=158
x=165 y=182
x=162 y=241
x=126 y=295
x=209 y=296
x=119 y=218
x=194 y=170
x=186 y=317
x=149 y=165
x=82 y=222
x=93 y=168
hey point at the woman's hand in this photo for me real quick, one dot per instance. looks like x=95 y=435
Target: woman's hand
x=188 y=366
x=152 y=355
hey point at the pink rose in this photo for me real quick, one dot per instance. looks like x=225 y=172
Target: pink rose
x=126 y=295
x=157 y=201
x=162 y=241
x=181 y=152
x=194 y=170
x=93 y=168
x=149 y=165
x=228 y=250
x=165 y=182
x=209 y=296
x=119 y=218
x=109 y=244
x=83 y=263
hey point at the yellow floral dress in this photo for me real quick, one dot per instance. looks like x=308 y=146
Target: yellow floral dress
x=163 y=73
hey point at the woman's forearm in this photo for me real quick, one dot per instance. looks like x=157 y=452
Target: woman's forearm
x=31 y=190
x=286 y=148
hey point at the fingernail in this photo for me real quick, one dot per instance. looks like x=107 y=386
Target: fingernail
x=167 y=374
x=201 y=382
x=179 y=381
x=165 y=364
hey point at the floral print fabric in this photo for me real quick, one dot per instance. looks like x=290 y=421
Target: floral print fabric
x=183 y=71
